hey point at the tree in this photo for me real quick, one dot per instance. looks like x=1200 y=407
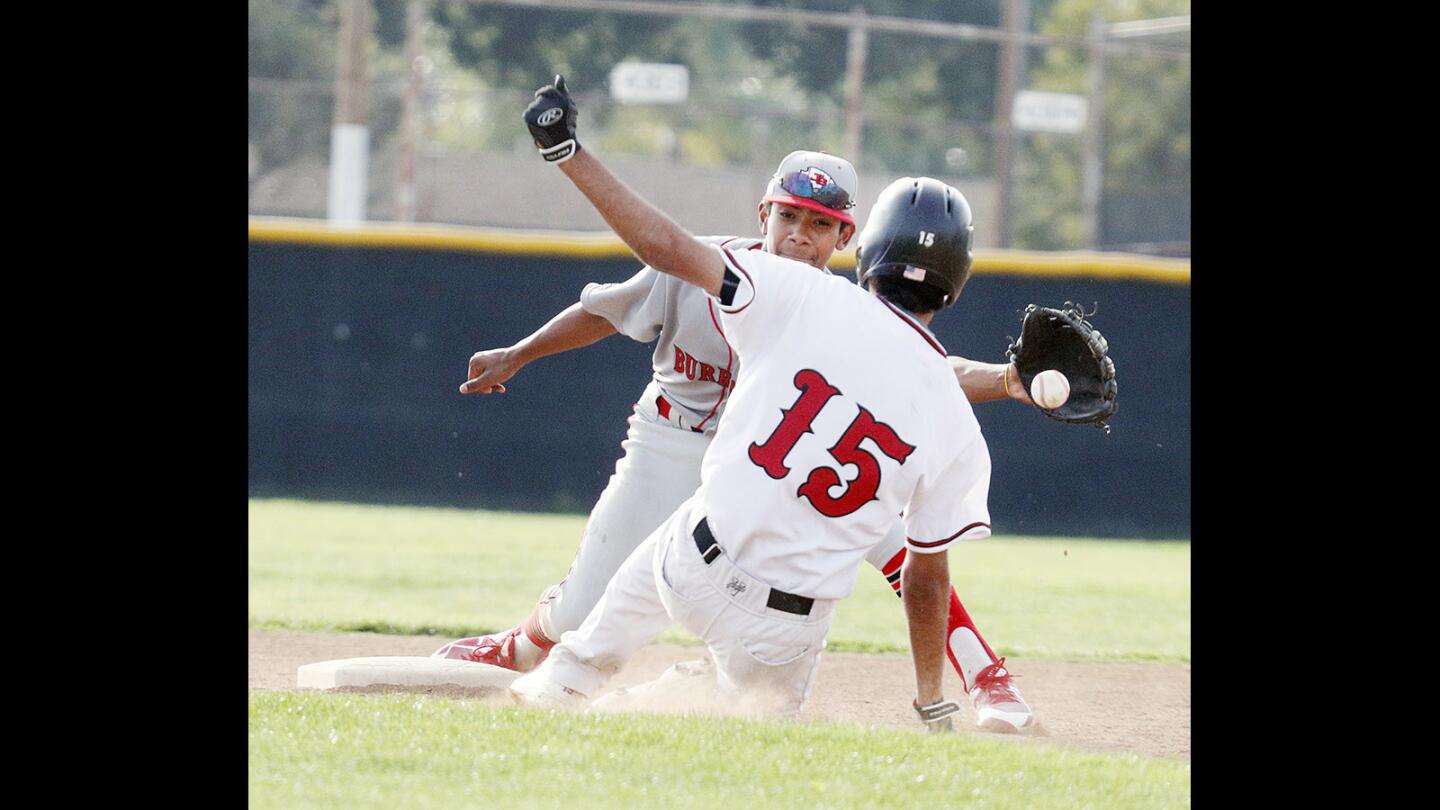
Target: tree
x=786 y=81
x=292 y=64
x=521 y=47
x=903 y=71
x=1145 y=114
x=291 y=41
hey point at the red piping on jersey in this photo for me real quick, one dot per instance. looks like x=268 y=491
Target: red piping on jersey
x=729 y=361
x=756 y=246
x=919 y=328
x=918 y=544
x=736 y=265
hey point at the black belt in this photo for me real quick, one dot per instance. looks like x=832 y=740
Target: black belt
x=780 y=600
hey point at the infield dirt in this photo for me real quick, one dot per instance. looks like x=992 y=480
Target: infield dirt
x=1141 y=708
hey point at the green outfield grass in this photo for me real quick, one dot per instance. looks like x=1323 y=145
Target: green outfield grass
x=449 y=572
x=387 y=751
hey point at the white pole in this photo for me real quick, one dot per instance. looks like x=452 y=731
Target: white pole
x=350 y=136
x=349 y=167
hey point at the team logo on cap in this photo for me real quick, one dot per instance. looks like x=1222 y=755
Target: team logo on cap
x=813 y=183
x=819 y=180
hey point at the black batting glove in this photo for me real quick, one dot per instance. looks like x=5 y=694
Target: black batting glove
x=551 y=119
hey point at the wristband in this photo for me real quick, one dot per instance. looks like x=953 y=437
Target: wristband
x=936 y=716
x=561 y=152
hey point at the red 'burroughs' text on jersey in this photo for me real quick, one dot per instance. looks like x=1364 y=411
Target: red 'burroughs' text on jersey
x=815 y=394
x=694 y=369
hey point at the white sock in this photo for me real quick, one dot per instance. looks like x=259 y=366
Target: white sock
x=970 y=653
x=528 y=654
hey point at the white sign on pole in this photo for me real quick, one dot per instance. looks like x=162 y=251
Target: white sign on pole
x=1049 y=112
x=649 y=83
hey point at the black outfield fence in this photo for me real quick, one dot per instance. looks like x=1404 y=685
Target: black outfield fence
x=359 y=340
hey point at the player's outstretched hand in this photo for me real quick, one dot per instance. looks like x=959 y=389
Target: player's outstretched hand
x=1015 y=387
x=551 y=119
x=489 y=370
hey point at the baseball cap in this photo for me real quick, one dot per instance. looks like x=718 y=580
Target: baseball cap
x=817 y=181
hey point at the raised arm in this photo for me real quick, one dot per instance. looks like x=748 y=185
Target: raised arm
x=571 y=329
x=655 y=238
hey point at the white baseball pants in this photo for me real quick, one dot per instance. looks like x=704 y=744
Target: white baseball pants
x=768 y=656
x=660 y=469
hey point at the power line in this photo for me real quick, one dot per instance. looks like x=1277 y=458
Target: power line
x=831 y=19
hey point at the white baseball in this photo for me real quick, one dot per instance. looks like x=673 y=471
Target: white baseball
x=1050 y=389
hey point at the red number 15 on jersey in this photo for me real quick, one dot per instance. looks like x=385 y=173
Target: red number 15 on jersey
x=815 y=392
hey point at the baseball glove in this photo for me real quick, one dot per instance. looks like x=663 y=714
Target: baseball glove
x=1063 y=340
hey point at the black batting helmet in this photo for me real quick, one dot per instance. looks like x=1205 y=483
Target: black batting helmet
x=919 y=229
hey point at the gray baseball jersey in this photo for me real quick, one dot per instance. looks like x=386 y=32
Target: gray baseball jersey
x=694 y=368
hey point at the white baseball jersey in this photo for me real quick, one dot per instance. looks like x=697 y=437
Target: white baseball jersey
x=694 y=368
x=847 y=415
x=674 y=420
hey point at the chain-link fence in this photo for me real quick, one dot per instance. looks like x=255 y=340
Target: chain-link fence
x=705 y=160
x=704 y=164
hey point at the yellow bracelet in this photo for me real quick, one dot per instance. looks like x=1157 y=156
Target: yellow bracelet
x=1007 y=379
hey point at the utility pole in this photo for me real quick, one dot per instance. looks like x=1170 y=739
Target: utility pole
x=405 y=166
x=1022 y=59
x=857 y=45
x=1004 y=147
x=1092 y=169
x=350 y=134
x=1099 y=39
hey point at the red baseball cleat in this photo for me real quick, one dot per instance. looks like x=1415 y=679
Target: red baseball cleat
x=998 y=705
x=497 y=649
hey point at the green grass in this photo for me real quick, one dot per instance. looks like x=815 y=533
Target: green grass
x=450 y=572
x=358 y=751
x=329 y=566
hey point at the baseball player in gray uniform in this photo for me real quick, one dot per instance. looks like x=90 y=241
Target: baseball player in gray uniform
x=804 y=215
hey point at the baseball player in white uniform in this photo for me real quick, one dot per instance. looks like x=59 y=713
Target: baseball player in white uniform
x=834 y=380
x=804 y=215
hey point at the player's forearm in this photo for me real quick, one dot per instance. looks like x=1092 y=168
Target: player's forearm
x=987 y=382
x=573 y=328
x=925 y=589
x=656 y=239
